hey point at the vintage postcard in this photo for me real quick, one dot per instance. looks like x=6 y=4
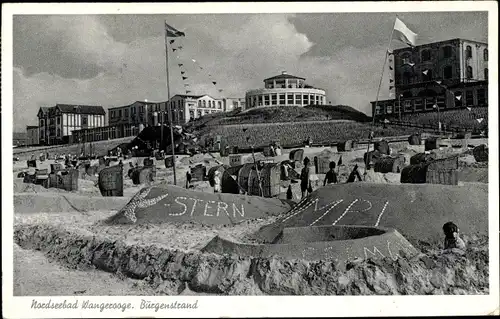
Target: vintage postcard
x=250 y=159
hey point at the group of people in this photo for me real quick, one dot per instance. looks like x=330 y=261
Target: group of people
x=305 y=177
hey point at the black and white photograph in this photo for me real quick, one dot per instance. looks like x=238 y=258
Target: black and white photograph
x=175 y=152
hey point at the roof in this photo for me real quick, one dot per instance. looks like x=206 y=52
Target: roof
x=189 y=96
x=84 y=109
x=44 y=109
x=284 y=76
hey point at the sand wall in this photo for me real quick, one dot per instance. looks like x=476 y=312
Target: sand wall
x=436 y=273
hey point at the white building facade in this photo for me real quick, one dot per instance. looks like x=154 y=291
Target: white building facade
x=285 y=90
x=188 y=107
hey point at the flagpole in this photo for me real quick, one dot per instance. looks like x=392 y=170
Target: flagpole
x=399 y=107
x=382 y=76
x=169 y=110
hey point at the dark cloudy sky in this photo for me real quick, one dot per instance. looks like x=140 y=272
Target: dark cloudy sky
x=114 y=60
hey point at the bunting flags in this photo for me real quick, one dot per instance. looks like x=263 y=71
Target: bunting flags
x=171 y=41
x=391 y=87
x=174 y=49
x=469 y=108
x=340 y=161
x=187 y=91
x=184 y=78
x=425 y=72
x=404 y=34
x=480 y=120
x=214 y=83
x=390 y=68
x=182 y=72
x=391 y=80
x=180 y=64
x=439 y=82
x=173 y=32
x=386 y=121
x=458 y=97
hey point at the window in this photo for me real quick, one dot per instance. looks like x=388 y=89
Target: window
x=266 y=100
x=407 y=106
x=485 y=54
x=204 y=104
x=427 y=77
x=126 y=113
x=419 y=105
x=84 y=119
x=469 y=72
x=448 y=72
x=486 y=74
x=282 y=99
x=406 y=78
x=119 y=115
x=377 y=110
x=447 y=51
x=220 y=104
x=481 y=97
x=389 y=109
x=297 y=99
x=458 y=99
x=426 y=55
x=58 y=120
x=199 y=103
x=274 y=99
x=41 y=123
x=289 y=99
x=468 y=52
x=469 y=98
x=260 y=100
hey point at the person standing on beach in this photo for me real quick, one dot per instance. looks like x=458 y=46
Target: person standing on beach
x=331 y=176
x=305 y=183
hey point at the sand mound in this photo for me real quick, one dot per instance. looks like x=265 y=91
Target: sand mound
x=434 y=273
x=341 y=243
x=165 y=203
x=417 y=211
x=64 y=202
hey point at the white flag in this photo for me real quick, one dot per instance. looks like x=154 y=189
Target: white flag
x=438 y=82
x=425 y=72
x=403 y=34
x=480 y=120
x=193 y=60
x=470 y=109
x=459 y=97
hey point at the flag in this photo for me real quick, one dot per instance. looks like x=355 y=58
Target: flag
x=458 y=97
x=390 y=68
x=187 y=91
x=180 y=64
x=386 y=121
x=174 y=49
x=439 y=82
x=425 y=72
x=214 y=82
x=245 y=129
x=403 y=34
x=390 y=60
x=340 y=161
x=410 y=63
x=171 y=41
x=173 y=32
x=201 y=68
x=391 y=87
x=469 y=108
x=193 y=60
x=184 y=78
x=391 y=80
x=182 y=72
x=480 y=120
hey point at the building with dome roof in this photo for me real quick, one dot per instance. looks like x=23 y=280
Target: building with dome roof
x=285 y=90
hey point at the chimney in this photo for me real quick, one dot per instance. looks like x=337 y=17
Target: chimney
x=283 y=72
